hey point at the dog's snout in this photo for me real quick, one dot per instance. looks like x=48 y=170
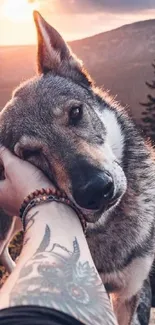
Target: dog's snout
x=96 y=193
x=108 y=187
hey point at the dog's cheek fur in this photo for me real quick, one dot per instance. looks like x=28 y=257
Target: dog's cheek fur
x=62 y=176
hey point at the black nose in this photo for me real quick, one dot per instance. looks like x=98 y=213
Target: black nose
x=96 y=193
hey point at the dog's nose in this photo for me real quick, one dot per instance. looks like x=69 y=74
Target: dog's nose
x=96 y=193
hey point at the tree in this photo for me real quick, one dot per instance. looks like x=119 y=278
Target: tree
x=149 y=113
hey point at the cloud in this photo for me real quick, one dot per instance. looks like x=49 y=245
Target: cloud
x=90 y=6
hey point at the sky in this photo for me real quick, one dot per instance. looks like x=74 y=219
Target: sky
x=74 y=19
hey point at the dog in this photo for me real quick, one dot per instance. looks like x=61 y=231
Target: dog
x=88 y=146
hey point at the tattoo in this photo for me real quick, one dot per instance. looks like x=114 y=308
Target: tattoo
x=46 y=240
x=30 y=218
x=26 y=241
x=56 y=278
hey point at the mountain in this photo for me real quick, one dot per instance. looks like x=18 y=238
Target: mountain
x=120 y=60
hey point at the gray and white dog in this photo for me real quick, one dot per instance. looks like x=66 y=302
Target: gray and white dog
x=89 y=147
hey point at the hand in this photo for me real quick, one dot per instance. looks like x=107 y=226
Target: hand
x=21 y=179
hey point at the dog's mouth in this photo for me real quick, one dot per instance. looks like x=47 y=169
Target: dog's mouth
x=92 y=215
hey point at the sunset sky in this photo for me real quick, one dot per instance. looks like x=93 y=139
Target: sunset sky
x=73 y=18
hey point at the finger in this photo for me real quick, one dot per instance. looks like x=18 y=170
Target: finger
x=7 y=159
x=6 y=156
x=2 y=192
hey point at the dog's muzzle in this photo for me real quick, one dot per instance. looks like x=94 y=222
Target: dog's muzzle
x=96 y=188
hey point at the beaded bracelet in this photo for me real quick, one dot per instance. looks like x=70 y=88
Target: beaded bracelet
x=48 y=195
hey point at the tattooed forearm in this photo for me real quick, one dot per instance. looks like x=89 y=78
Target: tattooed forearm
x=56 y=278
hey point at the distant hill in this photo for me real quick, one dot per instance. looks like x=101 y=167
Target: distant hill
x=120 y=60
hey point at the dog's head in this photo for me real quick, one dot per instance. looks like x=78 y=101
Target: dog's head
x=55 y=122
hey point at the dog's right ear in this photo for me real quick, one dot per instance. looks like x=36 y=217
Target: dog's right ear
x=54 y=54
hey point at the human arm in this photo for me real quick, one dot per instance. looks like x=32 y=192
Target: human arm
x=55 y=268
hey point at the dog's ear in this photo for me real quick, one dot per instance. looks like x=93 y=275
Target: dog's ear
x=54 y=54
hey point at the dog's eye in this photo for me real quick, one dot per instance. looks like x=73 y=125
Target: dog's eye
x=75 y=115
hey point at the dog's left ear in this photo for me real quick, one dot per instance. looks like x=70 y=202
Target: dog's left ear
x=54 y=54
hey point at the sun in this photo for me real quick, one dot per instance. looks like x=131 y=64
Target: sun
x=19 y=10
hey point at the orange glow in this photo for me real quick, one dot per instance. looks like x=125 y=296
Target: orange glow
x=17 y=25
x=18 y=10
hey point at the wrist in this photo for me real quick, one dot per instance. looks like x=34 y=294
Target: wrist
x=60 y=223
x=40 y=197
x=57 y=215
